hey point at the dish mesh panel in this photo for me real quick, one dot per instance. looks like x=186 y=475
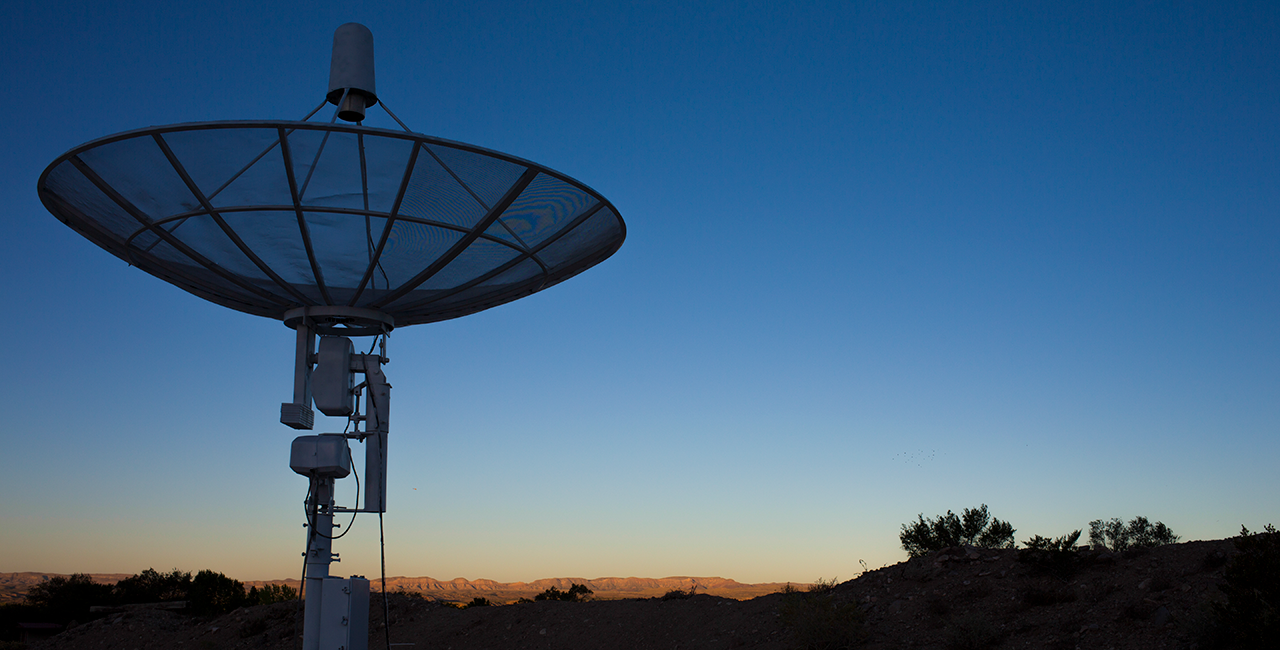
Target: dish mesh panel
x=458 y=236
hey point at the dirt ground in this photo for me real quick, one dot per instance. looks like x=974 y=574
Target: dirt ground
x=961 y=598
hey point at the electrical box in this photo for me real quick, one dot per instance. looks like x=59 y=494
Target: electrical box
x=320 y=456
x=344 y=614
x=332 y=382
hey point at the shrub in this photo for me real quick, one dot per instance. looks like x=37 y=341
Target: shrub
x=1055 y=557
x=1061 y=544
x=818 y=620
x=478 y=602
x=276 y=594
x=1116 y=536
x=975 y=527
x=682 y=594
x=214 y=593
x=576 y=594
x=151 y=586
x=65 y=599
x=1251 y=615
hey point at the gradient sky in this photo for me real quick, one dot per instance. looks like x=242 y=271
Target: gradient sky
x=883 y=259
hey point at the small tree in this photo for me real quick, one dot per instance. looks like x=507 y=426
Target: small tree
x=151 y=586
x=975 y=527
x=214 y=593
x=1116 y=536
x=270 y=594
x=65 y=599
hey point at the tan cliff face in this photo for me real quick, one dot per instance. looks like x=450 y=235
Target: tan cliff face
x=602 y=588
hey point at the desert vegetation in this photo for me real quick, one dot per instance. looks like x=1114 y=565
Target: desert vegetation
x=1249 y=619
x=818 y=620
x=974 y=527
x=1122 y=590
x=66 y=600
x=680 y=594
x=1115 y=535
x=576 y=594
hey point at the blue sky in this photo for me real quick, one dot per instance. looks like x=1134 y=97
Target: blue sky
x=882 y=259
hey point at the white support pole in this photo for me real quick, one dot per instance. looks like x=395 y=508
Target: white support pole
x=319 y=555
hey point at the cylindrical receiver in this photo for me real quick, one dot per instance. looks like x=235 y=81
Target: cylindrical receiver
x=351 y=71
x=352 y=108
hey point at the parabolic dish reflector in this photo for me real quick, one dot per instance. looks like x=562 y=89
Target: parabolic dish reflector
x=270 y=216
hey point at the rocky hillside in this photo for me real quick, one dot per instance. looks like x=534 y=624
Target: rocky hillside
x=961 y=599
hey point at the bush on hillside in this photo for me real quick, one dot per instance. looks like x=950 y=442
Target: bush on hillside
x=151 y=586
x=576 y=594
x=1055 y=557
x=818 y=620
x=1250 y=617
x=975 y=527
x=1061 y=545
x=1116 y=536
x=681 y=594
x=64 y=599
x=214 y=593
x=275 y=594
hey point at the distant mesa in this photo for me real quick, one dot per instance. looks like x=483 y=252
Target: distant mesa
x=14 y=586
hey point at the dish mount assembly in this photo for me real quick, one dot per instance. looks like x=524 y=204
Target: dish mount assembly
x=338 y=230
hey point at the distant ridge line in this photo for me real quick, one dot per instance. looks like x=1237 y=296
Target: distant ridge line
x=14 y=586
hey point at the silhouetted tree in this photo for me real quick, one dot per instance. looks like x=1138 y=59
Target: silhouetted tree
x=214 y=593
x=1139 y=533
x=64 y=599
x=975 y=527
x=151 y=586
x=270 y=594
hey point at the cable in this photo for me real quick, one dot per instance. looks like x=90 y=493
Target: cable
x=386 y=609
x=354 y=512
x=312 y=513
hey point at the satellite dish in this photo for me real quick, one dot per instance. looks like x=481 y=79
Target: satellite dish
x=335 y=229
x=375 y=225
